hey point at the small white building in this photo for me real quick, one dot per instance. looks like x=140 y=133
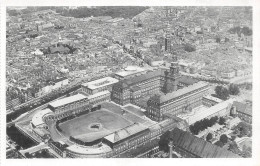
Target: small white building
x=99 y=85
x=129 y=72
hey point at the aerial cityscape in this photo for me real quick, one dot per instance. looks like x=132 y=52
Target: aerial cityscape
x=129 y=82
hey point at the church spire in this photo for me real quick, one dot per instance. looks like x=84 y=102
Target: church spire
x=167 y=40
x=174 y=69
x=172 y=76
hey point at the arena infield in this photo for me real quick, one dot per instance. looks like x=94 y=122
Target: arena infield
x=98 y=124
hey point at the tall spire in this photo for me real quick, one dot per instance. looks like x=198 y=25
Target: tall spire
x=172 y=76
x=174 y=69
x=167 y=12
x=167 y=30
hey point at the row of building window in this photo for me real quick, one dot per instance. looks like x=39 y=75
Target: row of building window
x=149 y=81
x=72 y=105
x=101 y=100
x=82 y=103
x=195 y=92
x=134 y=144
x=99 y=97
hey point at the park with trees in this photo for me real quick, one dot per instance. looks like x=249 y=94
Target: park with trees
x=243 y=129
x=233 y=89
x=223 y=140
x=202 y=125
x=224 y=92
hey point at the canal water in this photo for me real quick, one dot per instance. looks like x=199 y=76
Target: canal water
x=21 y=140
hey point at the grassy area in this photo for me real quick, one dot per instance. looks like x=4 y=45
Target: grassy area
x=111 y=118
x=80 y=126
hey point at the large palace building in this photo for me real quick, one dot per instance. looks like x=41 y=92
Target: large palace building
x=163 y=84
x=176 y=101
x=131 y=89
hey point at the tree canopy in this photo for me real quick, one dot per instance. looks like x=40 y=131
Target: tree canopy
x=81 y=12
x=209 y=137
x=222 y=121
x=223 y=138
x=202 y=125
x=222 y=92
x=163 y=142
x=189 y=48
x=244 y=129
x=113 y=11
x=233 y=89
x=245 y=30
x=233 y=147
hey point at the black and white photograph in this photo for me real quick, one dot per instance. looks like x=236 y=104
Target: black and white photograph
x=135 y=81
x=132 y=81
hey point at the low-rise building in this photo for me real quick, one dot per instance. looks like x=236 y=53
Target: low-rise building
x=53 y=84
x=76 y=104
x=191 y=146
x=99 y=85
x=220 y=110
x=12 y=103
x=233 y=122
x=129 y=72
x=208 y=71
x=243 y=111
x=227 y=73
x=38 y=118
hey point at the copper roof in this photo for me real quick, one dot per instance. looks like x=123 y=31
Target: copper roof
x=178 y=93
x=125 y=132
x=243 y=108
x=134 y=80
x=198 y=146
x=143 y=77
